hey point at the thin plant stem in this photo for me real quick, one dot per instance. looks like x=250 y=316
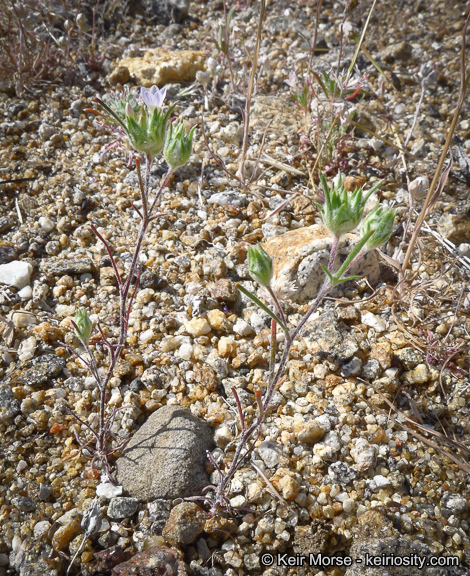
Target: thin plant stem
x=227 y=44
x=361 y=40
x=334 y=249
x=272 y=357
x=241 y=169
x=315 y=36
x=126 y=300
x=278 y=305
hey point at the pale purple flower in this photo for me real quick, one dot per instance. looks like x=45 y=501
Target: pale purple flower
x=292 y=82
x=154 y=97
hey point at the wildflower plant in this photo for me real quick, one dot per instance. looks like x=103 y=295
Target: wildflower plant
x=142 y=126
x=341 y=213
x=327 y=99
x=302 y=94
x=222 y=40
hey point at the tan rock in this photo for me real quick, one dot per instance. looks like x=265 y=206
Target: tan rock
x=184 y=525
x=227 y=346
x=298 y=254
x=119 y=75
x=254 y=359
x=285 y=483
x=23 y=319
x=219 y=527
x=225 y=290
x=161 y=66
x=262 y=338
x=47 y=332
x=217 y=320
x=107 y=276
x=382 y=352
x=197 y=327
x=206 y=376
x=418 y=375
x=64 y=534
x=308 y=432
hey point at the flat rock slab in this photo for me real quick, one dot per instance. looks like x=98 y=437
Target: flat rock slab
x=166 y=457
x=62 y=266
x=298 y=254
x=161 y=66
x=43 y=370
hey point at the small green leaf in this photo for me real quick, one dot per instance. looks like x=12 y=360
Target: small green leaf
x=347 y=279
x=263 y=307
x=327 y=272
x=111 y=113
x=230 y=16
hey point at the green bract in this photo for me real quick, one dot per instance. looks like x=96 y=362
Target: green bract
x=178 y=145
x=83 y=325
x=380 y=220
x=342 y=211
x=143 y=126
x=260 y=265
x=121 y=104
x=146 y=130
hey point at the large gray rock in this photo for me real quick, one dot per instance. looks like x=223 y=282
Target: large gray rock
x=327 y=339
x=43 y=370
x=166 y=457
x=298 y=255
x=36 y=558
x=62 y=266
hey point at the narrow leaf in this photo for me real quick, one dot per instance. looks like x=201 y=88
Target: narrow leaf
x=263 y=307
x=372 y=190
x=347 y=279
x=230 y=16
x=328 y=273
x=111 y=113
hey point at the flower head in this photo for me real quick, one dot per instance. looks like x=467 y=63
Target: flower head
x=154 y=97
x=260 y=265
x=380 y=220
x=178 y=145
x=83 y=325
x=342 y=211
x=146 y=131
x=140 y=126
x=292 y=82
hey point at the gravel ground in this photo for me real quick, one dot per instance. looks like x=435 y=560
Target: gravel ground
x=349 y=480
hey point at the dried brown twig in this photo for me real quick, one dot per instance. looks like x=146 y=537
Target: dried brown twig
x=435 y=184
